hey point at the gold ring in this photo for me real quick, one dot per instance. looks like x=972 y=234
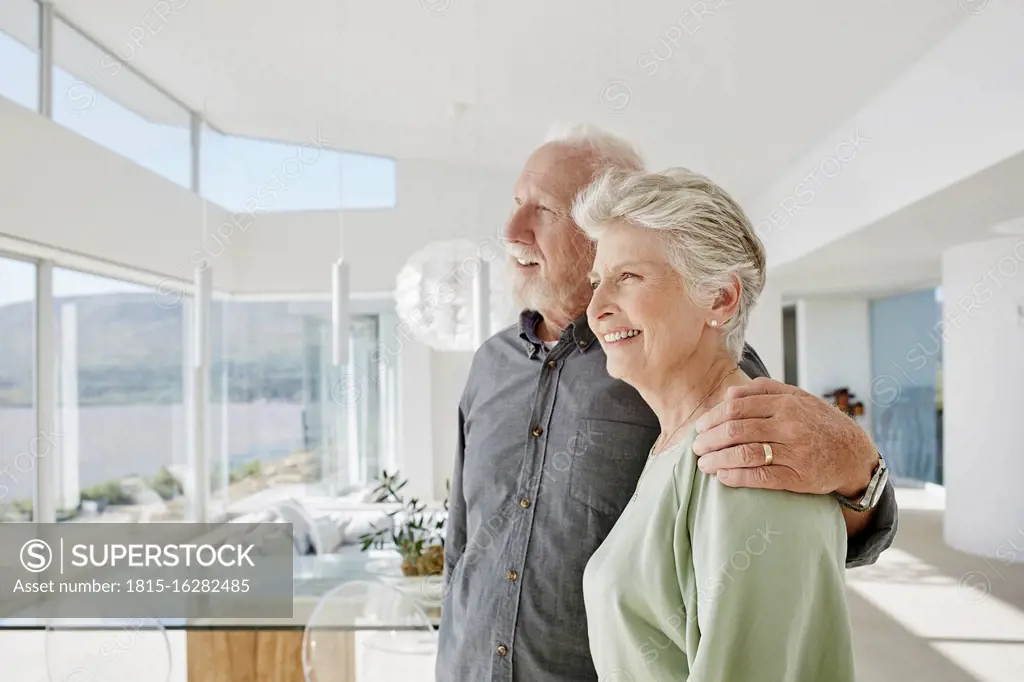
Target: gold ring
x=768 y=456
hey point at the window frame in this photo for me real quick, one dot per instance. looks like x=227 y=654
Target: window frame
x=45 y=259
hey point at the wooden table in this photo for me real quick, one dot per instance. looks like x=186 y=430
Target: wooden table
x=253 y=656
x=271 y=651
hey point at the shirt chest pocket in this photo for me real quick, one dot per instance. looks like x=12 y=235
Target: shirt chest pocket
x=607 y=459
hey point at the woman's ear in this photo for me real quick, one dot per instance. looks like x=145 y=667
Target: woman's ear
x=728 y=299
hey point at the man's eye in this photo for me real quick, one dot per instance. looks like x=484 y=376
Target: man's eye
x=627 y=275
x=594 y=285
x=519 y=202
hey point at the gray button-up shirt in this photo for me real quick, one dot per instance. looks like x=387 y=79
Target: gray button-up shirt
x=550 y=450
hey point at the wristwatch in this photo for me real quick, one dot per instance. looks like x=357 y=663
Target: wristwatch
x=872 y=494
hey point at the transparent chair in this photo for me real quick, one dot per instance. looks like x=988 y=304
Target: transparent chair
x=364 y=631
x=107 y=650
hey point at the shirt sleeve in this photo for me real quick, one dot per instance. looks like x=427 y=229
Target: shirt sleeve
x=454 y=547
x=868 y=545
x=865 y=547
x=455 y=524
x=751 y=363
x=768 y=585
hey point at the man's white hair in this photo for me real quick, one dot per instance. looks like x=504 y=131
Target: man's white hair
x=610 y=151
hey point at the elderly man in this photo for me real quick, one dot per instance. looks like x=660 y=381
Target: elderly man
x=551 y=447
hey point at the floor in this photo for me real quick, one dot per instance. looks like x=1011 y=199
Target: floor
x=926 y=612
x=923 y=613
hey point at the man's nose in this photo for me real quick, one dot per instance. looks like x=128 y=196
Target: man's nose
x=518 y=229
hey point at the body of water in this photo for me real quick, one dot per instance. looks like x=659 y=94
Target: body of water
x=118 y=441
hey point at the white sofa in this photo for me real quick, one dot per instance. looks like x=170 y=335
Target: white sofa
x=323 y=524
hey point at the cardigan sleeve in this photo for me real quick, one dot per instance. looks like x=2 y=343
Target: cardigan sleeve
x=768 y=573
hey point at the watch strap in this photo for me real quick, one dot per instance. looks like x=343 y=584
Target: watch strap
x=872 y=494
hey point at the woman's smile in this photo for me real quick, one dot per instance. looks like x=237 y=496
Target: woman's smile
x=620 y=336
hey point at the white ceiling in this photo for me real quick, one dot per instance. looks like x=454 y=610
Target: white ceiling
x=903 y=252
x=744 y=92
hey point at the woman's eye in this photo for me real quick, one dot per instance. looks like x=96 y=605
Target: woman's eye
x=594 y=285
x=627 y=275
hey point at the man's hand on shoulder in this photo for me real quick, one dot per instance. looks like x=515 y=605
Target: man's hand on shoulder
x=816 y=448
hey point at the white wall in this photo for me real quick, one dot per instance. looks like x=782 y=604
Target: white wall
x=449 y=371
x=416 y=428
x=983 y=371
x=955 y=113
x=834 y=347
x=62 y=190
x=764 y=331
x=293 y=252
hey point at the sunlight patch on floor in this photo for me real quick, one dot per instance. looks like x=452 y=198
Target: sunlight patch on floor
x=959 y=618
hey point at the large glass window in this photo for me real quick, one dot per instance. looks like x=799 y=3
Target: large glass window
x=244 y=174
x=19 y=52
x=120 y=363
x=19 y=446
x=96 y=95
x=283 y=421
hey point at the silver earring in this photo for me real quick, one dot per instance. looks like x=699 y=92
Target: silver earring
x=714 y=323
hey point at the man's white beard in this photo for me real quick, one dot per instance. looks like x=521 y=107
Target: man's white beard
x=540 y=294
x=532 y=297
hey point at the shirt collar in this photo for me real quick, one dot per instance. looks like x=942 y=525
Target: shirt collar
x=580 y=330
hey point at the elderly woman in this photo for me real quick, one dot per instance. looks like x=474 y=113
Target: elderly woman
x=697 y=580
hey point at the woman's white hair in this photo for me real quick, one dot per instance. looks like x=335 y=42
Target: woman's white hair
x=707 y=236
x=609 y=151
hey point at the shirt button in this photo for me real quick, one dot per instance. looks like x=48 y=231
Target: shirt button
x=551 y=363
x=524 y=503
x=512 y=575
x=537 y=431
x=502 y=650
x=583 y=344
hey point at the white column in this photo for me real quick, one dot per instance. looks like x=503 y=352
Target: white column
x=197 y=402
x=415 y=435
x=46 y=58
x=187 y=378
x=388 y=331
x=197 y=487
x=481 y=304
x=983 y=371
x=326 y=407
x=68 y=489
x=834 y=348
x=195 y=134
x=46 y=397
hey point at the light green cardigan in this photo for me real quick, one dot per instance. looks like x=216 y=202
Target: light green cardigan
x=702 y=582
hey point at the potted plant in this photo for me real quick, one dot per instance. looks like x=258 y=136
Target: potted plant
x=416 y=532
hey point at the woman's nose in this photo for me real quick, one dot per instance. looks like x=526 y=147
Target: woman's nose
x=600 y=304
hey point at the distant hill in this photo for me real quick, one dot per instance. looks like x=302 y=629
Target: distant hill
x=130 y=350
